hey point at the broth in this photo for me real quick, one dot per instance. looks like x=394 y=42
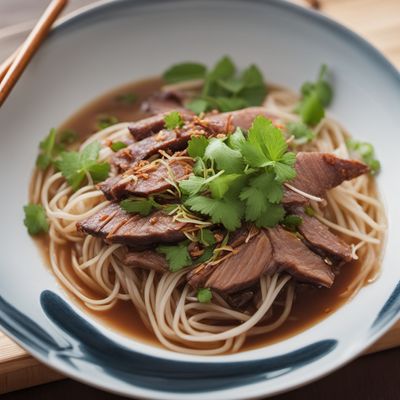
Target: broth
x=311 y=304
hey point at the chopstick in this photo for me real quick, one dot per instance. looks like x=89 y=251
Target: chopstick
x=14 y=66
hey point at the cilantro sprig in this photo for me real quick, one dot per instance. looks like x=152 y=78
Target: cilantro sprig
x=173 y=120
x=366 y=152
x=240 y=177
x=177 y=255
x=315 y=97
x=142 y=206
x=204 y=295
x=224 y=88
x=75 y=165
x=35 y=219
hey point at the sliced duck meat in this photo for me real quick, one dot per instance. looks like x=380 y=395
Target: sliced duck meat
x=321 y=239
x=164 y=140
x=243 y=268
x=290 y=254
x=132 y=229
x=145 y=181
x=319 y=172
x=229 y=121
x=291 y=198
x=149 y=126
x=146 y=259
x=163 y=102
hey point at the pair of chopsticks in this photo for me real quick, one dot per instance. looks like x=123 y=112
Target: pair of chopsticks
x=13 y=67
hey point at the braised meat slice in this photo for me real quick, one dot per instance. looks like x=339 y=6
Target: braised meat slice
x=146 y=259
x=321 y=240
x=145 y=181
x=149 y=126
x=243 y=268
x=163 y=140
x=163 y=102
x=229 y=121
x=132 y=229
x=290 y=254
x=319 y=172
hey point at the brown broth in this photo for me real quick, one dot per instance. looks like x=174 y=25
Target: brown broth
x=311 y=304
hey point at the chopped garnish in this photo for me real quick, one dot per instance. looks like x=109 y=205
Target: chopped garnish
x=223 y=89
x=204 y=295
x=47 y=150
x=116 y=146
x=292 y=222
x=126 y=98
x=177 y=256
x=68 y=137
x=185 y=72
x=173 y=120
x=197 y=146
x=206 y=237
x=35 y=219
x=240 y=177
x=139 y=205
x=300 y=131
x=316 y=96
x=367 y=153
x=309 y=211
x=74 y=166
x=104 y=121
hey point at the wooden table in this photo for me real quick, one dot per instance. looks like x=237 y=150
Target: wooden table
x=370 y=377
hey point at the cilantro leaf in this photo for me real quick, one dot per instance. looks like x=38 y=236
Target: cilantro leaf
x=105 y=121
x=177 y=256
x=206 y=237
x=35 y=219
x=197 y=146
x=173 y=120
x=220 y=186
x=292 y=222
x=184 y=72
x=311 y=109
x=139 y=205
x=271 y=216
x=226 y=159
x=127 y=98
x=74 y=165
x=192 y=185
x=198 y=106
x=367 y=153
x=227 y=212
x=300 y=131
x=118 y=145
x=226 y=104
x=236 y=139
x=47 y=150
x=68 y=137
x=223 y=69
x=208 y=253
x=204 y=295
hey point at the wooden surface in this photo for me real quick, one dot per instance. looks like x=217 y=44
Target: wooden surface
x=376 y=20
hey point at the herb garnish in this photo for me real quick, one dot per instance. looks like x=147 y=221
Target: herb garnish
x=35 y=219
x=74 y=165
x=204 y=295
x=367 y=153
x=240 y=177
x=126 y=98
x=116 y=146
x=68 y=137
x=223 y=89
x=316 y=96
x=105 y=121
x=173 y=120
x=292 y=222
x=177 y=256
x=301 y=132
x=139 y=205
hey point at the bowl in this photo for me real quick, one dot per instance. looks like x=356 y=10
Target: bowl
x=121 y=41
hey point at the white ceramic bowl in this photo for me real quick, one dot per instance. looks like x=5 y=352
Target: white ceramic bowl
x=123 y=41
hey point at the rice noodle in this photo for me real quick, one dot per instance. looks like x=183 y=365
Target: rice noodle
x=166 y=304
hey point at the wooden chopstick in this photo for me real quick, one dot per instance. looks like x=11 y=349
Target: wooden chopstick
x=14 y=66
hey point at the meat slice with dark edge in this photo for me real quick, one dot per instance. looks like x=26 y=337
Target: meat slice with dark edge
x=146 y=259
x=290 y=254
x=244 y=268
x=149 y=126
x=151 y=181
x=115 y=225
x=319 y=172
x=166 y=101
x=321 y=240
x=178 y=138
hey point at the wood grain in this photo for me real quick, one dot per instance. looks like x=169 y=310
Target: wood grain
x=376 y=20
